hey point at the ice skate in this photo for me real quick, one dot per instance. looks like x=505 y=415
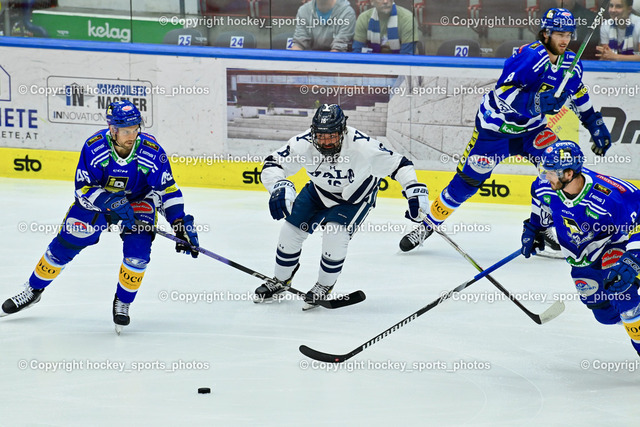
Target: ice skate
x=269 y=291
x=120 y=314
x=317 y=293
x=415 y=238
x=24 y=299
x=551 y=245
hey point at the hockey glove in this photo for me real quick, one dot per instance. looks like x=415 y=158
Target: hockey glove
x=185 y=230
x=283 y=195
x=600 y=134
x=118 y=206
x=545 y=103
x=418 y=197
x=623 y=274
x=532 y=239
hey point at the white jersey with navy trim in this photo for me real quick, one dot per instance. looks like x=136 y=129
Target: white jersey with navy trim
x=351 y=177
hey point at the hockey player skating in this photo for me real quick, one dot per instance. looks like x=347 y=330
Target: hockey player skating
x=123 y=176
x=345 y=167
x=511 y=119
x=596 y=219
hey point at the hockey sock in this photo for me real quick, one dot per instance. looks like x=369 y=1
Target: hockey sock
x=129 y=282
x=335 y=242
x=52 y=263
x=632 y=327
x=456 y=193
x=45 y=272
x=289 y=250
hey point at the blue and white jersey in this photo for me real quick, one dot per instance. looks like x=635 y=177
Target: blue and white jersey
x=528 y=71
x=605 y=213
x=352 y=177
x=146 y=172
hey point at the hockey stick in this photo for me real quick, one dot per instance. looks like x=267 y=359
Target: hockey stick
x=338 y=358
x=550 y=313
x=596 y=21
x=338 y=302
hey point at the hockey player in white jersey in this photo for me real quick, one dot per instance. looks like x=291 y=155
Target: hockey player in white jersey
x=345 y=167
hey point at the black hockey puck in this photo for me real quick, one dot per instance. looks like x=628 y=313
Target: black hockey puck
x=204 y=390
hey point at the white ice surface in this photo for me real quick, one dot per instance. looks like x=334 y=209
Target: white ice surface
x=525 y=374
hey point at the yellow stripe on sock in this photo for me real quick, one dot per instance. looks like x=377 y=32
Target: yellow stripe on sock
x=130 y=279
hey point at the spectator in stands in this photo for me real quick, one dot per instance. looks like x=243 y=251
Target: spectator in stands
x=620 y=35
x=324 y=25
x=584 y=19
x=386 y=28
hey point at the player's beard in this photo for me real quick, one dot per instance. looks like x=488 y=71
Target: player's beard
x=555 y=48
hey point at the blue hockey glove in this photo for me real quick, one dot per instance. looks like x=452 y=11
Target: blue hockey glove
x=600 y=134
x=118 y=206
x=283 y=195
x=546 y=103
x=185 y=230
x=623 y=274
x=418 y=197
x=532 y=239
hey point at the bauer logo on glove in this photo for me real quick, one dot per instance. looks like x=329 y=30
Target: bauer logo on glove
x=418 y=198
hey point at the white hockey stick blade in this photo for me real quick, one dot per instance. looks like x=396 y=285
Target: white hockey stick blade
x=550 y=254
x=552 y=312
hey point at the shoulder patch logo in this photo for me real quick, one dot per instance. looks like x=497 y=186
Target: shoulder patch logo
x=150 y=145
x=601 y=188
x=613 y=183
x=94 y=139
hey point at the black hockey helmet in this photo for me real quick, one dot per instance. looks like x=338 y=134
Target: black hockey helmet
x=329 y=119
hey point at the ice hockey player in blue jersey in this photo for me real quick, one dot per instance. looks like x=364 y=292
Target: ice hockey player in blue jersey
x=345 y=167
x=123 y=177
x=596 y=219
x=511 y=119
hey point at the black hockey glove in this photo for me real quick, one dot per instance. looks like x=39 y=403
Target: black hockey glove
x=185 y=230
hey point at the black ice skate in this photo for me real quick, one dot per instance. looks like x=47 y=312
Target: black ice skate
x=415 y=238
x=317 y=293
x=269 y=291
x=551 y=245
x=24 y=299
x=120 y=314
